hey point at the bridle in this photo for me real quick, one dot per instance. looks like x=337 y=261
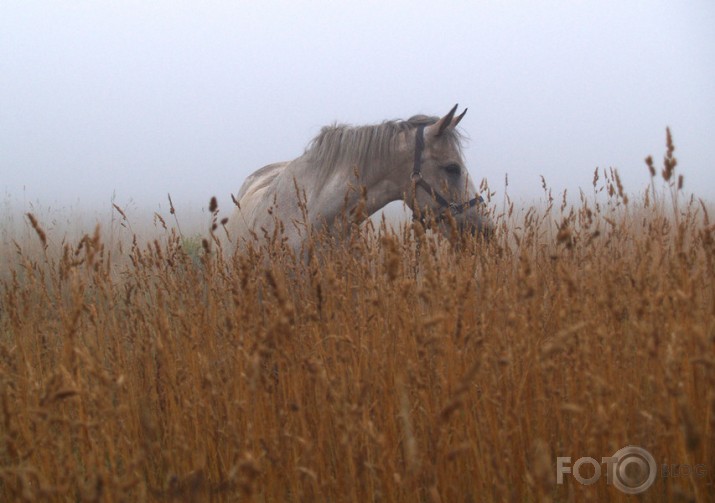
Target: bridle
x=444 y=203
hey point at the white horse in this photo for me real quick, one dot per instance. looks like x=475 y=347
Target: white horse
x=356 y=171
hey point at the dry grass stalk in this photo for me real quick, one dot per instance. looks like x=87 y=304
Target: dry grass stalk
x=391 y=367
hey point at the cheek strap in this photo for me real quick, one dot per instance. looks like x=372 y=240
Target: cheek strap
x=454 y=208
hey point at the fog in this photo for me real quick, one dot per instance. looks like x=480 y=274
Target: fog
x=129 y=101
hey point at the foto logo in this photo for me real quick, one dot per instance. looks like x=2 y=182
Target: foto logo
x=631 y=469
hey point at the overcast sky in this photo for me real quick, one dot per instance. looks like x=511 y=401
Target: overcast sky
x=145 y=98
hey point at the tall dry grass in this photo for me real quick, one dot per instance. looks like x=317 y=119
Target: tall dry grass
x=396 y=366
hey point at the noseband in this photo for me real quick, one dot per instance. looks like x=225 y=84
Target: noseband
x=444 y=204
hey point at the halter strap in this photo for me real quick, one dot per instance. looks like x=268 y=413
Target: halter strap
x=419 y=148
x=454 y=208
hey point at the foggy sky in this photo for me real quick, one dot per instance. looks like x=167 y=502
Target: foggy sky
x=188 y=98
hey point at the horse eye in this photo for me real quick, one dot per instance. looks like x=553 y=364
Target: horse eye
x=453 y=169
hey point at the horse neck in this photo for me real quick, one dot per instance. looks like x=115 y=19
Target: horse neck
x=384 y=182
x=341 y=191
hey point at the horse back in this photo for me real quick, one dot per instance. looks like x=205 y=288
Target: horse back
x=261 y=178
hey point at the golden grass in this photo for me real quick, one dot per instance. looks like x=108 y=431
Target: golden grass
x=395 y=367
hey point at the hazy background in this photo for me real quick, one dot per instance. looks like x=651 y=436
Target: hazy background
x=141 y=99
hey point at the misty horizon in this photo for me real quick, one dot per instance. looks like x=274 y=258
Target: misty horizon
x=129 y=102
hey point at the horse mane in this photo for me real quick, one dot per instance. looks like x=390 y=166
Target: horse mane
x=362 y=145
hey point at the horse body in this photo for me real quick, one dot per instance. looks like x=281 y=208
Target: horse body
x=370 y=166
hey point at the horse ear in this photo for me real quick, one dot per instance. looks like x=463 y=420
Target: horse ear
x=459 y=118
x=441 y=125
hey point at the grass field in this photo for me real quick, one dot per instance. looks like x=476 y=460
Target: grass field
x=396 y=367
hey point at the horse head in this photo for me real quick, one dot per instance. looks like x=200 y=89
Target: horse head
x=441 y=187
